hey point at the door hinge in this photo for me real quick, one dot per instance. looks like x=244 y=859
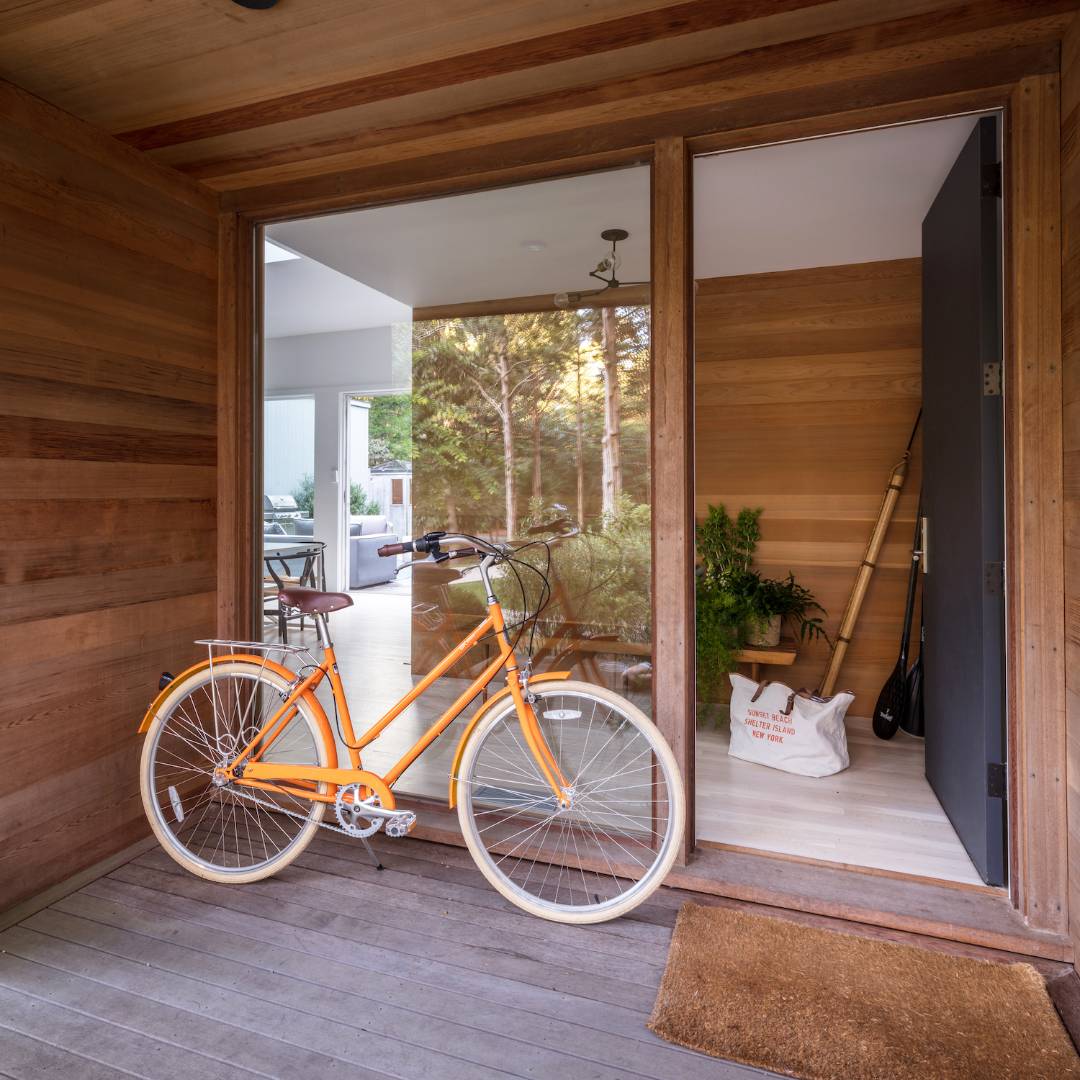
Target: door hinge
x=994 y=578
x=996 y=780
x=991 y=179
x=992 y=378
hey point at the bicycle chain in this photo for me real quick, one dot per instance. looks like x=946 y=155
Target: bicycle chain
x=291 y=813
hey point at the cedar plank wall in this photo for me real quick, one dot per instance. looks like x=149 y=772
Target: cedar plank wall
x=1070 y=212
x=808 y=382
x=108 y=293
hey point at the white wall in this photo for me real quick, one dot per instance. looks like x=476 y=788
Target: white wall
x=289 y=443
x=359 y=471
x=355 y=360
x=325 y=367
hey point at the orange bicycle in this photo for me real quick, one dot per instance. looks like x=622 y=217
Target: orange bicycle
x=569 y=799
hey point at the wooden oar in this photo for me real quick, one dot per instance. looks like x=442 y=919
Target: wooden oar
x=862 y=579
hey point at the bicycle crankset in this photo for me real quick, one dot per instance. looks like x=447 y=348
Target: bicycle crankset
x=364 y=817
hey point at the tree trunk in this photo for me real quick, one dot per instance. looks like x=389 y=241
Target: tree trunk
x=451 y=511
x=611 y=444
x=506 y=414
x=580 y=449
x=537 y=480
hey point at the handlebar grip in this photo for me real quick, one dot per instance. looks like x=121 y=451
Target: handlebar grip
x=394 y=549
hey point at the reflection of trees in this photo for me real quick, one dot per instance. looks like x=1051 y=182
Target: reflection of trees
x=575 y=382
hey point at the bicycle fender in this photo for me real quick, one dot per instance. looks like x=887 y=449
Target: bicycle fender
x=547 y=676
x=269 y=665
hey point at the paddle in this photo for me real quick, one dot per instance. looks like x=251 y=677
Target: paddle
x=913 y=722
x=894 y=701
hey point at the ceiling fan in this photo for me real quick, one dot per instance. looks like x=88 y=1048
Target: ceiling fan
x=605 y=271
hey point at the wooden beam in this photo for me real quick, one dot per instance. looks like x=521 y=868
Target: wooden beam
x=1034 y=506
x=1070 y=193
x=908 y=58
x=674 y=704
x=856 y=118
x=627 y=296
x=239 y=386
x=640 y=28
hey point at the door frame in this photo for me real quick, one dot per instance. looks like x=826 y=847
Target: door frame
x=1034 y=559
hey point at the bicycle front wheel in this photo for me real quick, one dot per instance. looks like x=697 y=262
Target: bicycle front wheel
x=612 y=845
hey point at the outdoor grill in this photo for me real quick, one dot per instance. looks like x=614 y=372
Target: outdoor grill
x=280 y=508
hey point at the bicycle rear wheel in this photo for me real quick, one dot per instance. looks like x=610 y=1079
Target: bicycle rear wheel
x=612 y=846
x=228 y=833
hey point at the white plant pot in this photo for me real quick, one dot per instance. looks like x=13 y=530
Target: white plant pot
x=764 y=633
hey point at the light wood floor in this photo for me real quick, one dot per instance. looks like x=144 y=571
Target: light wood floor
x=880 y=812
x=332 y=970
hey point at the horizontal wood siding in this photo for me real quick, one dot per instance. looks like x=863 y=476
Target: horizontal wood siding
x=808 y=382
x=108 y=399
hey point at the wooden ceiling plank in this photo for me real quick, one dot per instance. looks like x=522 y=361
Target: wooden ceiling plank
x=120 y=70
x=618 y=33
x=957 y=62
x=30 y=14
x=348 y=128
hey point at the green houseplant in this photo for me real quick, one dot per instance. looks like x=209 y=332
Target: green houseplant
x=735 y=602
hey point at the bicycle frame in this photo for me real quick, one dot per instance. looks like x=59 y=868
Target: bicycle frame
x=302 y=781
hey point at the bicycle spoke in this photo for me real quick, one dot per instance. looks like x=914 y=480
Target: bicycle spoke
x=223 y=828
x=597 y=845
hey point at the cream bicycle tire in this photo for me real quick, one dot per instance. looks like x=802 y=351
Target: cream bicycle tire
x=166 y=836
x=469 y=781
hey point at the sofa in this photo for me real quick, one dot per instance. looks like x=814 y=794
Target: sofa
x=367 y=533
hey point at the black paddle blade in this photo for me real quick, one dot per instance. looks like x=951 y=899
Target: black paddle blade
x=891 y=704
x=913 y=721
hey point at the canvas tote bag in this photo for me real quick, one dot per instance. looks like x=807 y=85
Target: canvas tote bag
x=773 y=725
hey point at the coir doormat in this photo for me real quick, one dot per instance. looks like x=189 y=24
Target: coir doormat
x=825 y=1005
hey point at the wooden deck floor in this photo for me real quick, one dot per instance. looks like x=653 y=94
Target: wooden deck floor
x=332 y=969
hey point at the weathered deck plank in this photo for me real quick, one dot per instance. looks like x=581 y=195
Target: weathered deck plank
x=332 y=969
x=27 y=1058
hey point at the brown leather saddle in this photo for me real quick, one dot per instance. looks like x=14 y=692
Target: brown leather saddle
x=313 y=601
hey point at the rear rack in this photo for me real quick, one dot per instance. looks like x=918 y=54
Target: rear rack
x=296 y=657
x=251 y=646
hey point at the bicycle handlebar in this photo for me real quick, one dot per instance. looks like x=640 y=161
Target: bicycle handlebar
x=428 y=543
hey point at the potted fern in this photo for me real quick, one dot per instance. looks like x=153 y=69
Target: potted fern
x=736 y=605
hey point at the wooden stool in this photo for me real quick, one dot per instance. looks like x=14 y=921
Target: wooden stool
x=782 y=655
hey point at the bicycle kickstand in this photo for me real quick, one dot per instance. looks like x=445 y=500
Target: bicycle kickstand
x=371 y=852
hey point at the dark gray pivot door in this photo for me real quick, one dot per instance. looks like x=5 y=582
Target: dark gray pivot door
x=963 y=498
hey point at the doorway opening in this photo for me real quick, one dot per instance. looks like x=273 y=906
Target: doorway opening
x=848 y=305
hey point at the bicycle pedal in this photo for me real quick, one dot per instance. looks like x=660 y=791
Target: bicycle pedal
x=401 y=824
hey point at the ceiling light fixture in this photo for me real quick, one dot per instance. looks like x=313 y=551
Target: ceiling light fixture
x=534 y=245
x=256 y=5
x=605 y=272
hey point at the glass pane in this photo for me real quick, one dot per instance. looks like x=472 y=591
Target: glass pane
x=456 y=385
